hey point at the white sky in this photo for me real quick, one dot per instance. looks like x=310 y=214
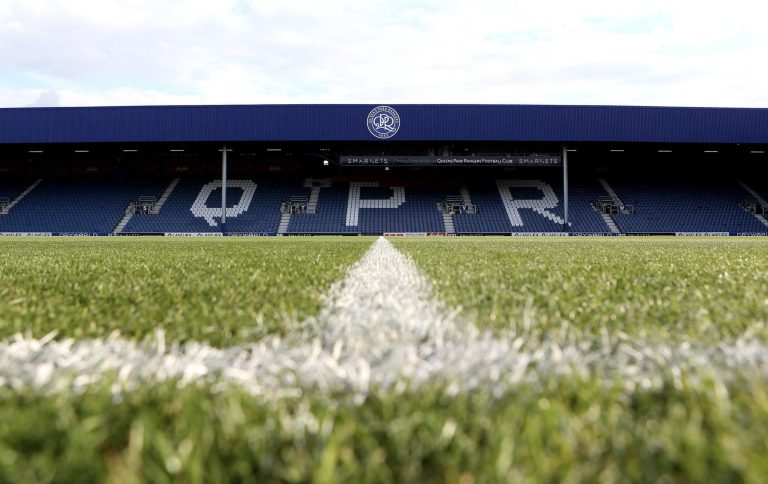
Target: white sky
x=122 y=52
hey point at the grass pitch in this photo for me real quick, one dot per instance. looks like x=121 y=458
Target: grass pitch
x=223 y=291
x=699 y=288
x=687 y=423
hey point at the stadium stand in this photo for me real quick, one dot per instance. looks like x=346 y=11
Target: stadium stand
x=194 y=206
x=72 y=205
x=10 y=190
x=583 y=215
x=377 y=204
x=372 y=206
x=684 y=205
x=531 y=205
x=497 y=214
x=453 y=169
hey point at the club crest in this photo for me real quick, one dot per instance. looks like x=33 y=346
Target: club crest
x=383 y=122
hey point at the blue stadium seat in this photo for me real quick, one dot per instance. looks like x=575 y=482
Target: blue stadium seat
x=262 y=214
x=371 y=205
x=416 y=212
x=72 y=205
x=685 y=205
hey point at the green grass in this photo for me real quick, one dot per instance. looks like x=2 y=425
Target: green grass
x=554 y=431
x=220 y=291
x=702 y=288
x=573 y=429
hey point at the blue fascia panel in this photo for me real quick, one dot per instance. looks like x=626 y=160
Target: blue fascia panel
x=535 y=123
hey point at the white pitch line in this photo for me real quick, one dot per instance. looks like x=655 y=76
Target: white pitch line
x=381 y=330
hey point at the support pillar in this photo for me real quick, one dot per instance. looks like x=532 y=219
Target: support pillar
x=565 y=186
x=224 y=189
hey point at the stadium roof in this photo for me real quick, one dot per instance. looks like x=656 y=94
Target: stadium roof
x=344 y=122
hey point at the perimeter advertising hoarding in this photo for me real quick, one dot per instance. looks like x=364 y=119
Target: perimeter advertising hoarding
x=510 y=160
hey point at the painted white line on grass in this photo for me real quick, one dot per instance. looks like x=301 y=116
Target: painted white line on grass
x=381 y=330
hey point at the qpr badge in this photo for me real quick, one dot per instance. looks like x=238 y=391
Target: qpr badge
x=383 y=122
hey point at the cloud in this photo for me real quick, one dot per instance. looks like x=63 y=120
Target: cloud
x=371 y=51
x=46 y=99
